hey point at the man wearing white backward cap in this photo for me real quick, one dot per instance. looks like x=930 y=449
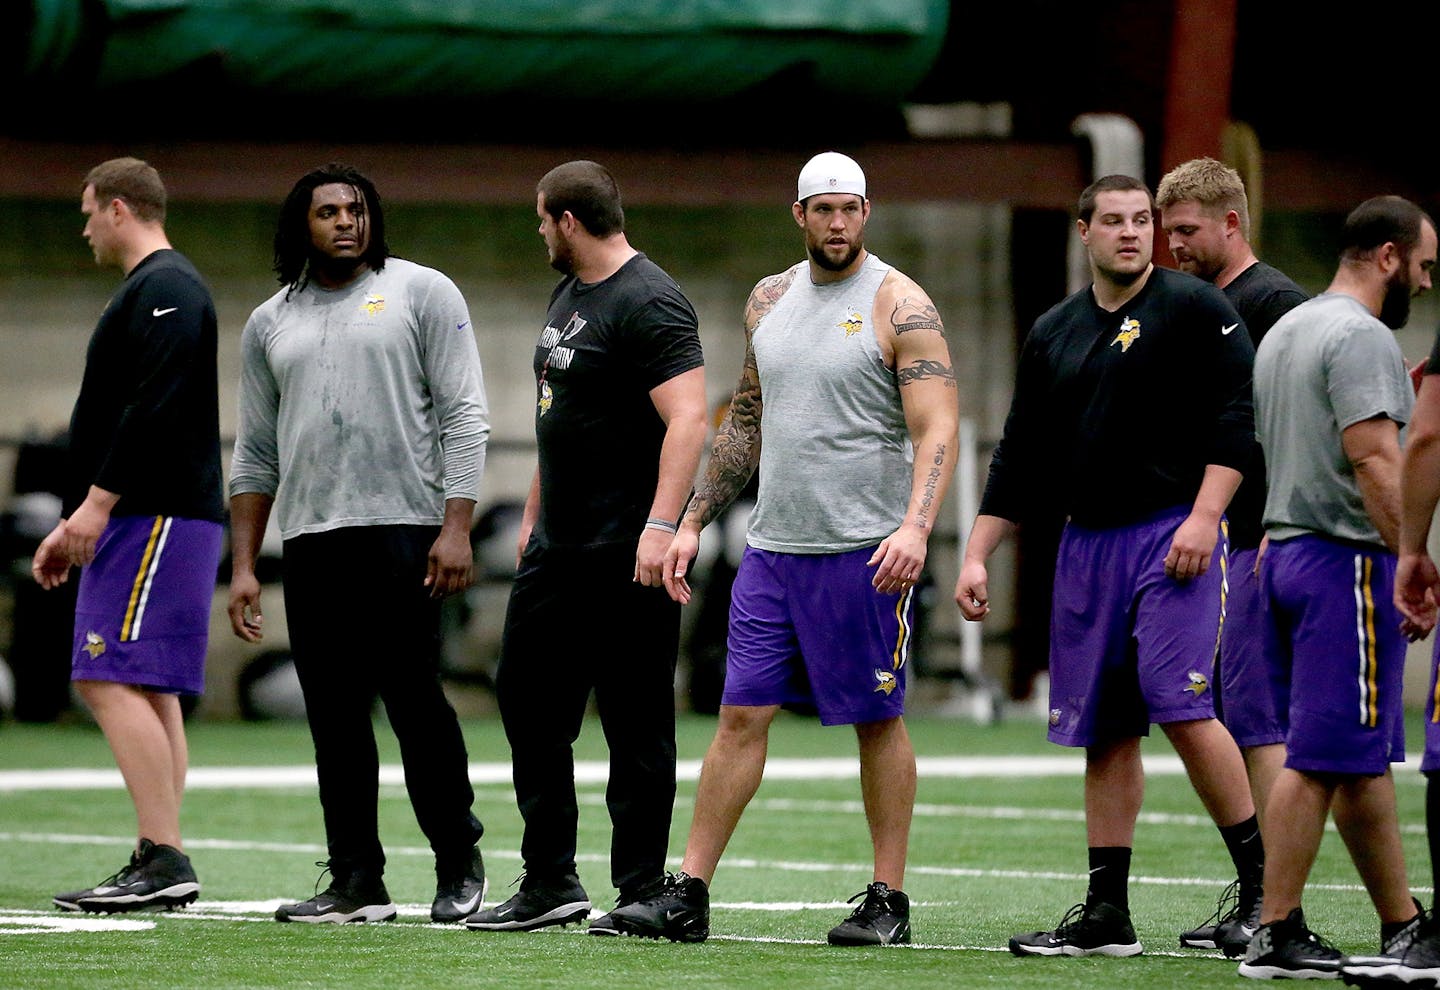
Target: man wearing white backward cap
x=848 y=378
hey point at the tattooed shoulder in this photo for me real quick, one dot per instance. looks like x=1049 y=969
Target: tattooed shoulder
x=766 y=294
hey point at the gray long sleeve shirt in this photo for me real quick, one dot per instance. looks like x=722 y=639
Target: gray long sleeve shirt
x=361 y=406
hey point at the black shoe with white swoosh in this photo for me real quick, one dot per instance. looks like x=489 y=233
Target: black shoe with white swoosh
x=1094 y=929
x=158 y=877
x=459 y=895
x=541 y=902
x=360 y=896
x=883 y=918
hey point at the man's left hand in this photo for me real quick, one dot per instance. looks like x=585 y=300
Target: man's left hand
x=1192 y=548
x=898 y=560
x=451 y=564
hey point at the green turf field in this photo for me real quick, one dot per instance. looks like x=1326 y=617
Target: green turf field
x=996 y=848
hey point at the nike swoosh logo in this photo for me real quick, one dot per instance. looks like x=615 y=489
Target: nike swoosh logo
x=1225 y=331
x=504 y=912
x=465 y=907
x=462 y=326
x=161 y=312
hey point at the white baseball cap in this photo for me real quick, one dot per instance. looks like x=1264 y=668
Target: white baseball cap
x=831 y=172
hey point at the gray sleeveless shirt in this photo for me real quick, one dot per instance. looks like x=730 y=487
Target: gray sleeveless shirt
x=835 y=452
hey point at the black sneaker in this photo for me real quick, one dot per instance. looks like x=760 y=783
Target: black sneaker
x=1203 y=936
x=156 y=878
x=883 y=918
x=1410 y=956
x=1097 y=929
x=606 y=924
x=678 y=909
x=1234 y=933
x=1287 y=950
x=540 y=903
x=361 y=896
x=459 y=895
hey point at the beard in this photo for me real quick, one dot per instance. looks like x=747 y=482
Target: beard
x=818 y=255
x=561 y=259
x=1395 y=307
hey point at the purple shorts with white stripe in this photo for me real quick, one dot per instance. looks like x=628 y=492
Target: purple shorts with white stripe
x=1334 y=641
x=810 y=628
x=143 y=613
x=1431 y=761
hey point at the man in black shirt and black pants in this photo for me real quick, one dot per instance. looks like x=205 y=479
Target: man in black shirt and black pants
x=1132 y=401
x=620 y=420
x=142 y=518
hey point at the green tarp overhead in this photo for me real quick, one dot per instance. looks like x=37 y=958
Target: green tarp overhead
x=605 y=50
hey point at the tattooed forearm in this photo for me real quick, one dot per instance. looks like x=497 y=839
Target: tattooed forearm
x=733 y=456
x=927 y=494
x=916 y=315
x=923 y=369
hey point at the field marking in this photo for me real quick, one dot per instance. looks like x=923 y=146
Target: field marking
x=598 y=772
x=586 y=772
x=16 y=921
x=603 y=859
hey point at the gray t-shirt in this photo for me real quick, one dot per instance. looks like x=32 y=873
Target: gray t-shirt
x=361 y=406
x=1326 y=365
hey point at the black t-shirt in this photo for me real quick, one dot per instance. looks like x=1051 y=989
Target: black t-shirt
x=604 y=347
x=1116 y=415
x=146 y=424
x=1261 y=295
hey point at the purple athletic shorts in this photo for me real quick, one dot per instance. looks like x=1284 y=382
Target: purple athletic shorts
x=1248 y=698
x=810 y=629
x=1128 y=645
x=1334 y=641
x=143 y=610
x=1431 y=760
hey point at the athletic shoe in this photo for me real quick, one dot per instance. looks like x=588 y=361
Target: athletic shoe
x=606 y=924
x=883 y=918
x=157 y=877
x=1097 y=929
x=540 y=903
x=1202 y=936
x=1233 y=934
x=1410 y=956
x=361 y=896
x=677 y=909
x=1287 y=950
x=458 y=895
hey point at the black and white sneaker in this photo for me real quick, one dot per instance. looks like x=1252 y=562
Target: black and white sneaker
x=1202 y=936
x=1288 y=950
x=459 y=895
x=540 y=903
x=1233 y=934
x=677 y=909
x=1097 y=929
x=606 y=924
x=883 y=918
x=360 y=896
x=1410 y=956
x=158 y=877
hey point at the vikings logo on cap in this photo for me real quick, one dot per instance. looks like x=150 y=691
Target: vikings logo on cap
x=831 y=172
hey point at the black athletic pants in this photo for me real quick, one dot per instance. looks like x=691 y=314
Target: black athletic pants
x=362 y=626
x=577 y=622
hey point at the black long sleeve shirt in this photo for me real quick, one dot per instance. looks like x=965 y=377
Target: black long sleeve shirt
x=146 y=424
x=1115 y=416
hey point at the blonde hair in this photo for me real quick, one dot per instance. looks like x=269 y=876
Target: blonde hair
x=133 y=181
x=1214 y=185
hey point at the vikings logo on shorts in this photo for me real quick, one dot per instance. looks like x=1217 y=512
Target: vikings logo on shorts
x=1054 y=716
x=94 y=644
x=852 y=325
x=1129 y=333
x=884 y=682
x=1198 y=685
x=373 y=304
x=547 y=398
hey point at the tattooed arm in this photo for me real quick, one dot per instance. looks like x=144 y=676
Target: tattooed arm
x=912 y=338
x=735 y=452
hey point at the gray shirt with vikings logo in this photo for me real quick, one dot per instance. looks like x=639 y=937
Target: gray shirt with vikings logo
x=361 y=406
x=835 y=454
